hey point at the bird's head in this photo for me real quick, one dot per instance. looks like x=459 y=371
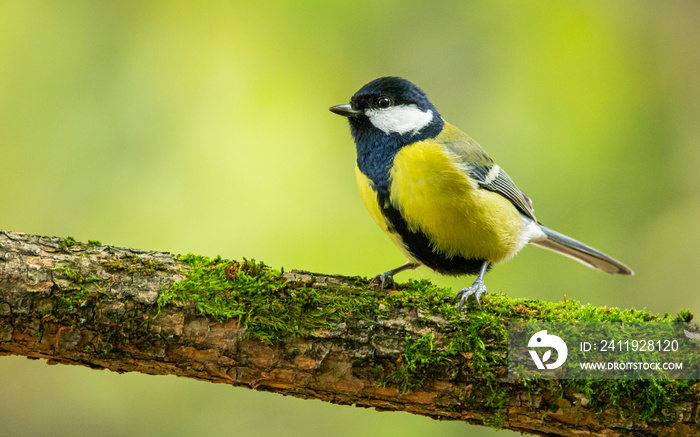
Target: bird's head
x=391 y=107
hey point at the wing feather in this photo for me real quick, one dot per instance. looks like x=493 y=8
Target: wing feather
x=481 y=168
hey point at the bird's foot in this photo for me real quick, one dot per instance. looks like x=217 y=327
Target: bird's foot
x=477 y=289
x=385 y=279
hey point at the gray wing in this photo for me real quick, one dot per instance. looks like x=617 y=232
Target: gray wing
x=495 y=179
x=481 y=168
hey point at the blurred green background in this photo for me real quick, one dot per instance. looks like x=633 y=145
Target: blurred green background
x=203 y=127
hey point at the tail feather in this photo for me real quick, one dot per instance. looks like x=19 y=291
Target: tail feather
x=580 y=252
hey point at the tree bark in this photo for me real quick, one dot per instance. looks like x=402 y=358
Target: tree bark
x=97 y=306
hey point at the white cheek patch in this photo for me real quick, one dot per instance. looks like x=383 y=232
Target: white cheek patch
x=400 y=119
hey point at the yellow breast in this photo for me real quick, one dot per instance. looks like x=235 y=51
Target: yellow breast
x=369 y=198
x=437 y=197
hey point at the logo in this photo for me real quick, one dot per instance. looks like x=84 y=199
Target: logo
x=542 y=339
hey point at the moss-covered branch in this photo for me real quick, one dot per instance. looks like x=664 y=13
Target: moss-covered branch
x=312 y=336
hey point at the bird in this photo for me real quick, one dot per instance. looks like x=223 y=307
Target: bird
x=438 y=195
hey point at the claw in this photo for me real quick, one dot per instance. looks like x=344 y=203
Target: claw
x=385 y=279
x=477 y=289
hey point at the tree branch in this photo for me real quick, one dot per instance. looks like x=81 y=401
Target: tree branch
x=306 y=335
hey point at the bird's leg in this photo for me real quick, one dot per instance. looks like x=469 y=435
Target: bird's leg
x=387 y=278
x=477 y=289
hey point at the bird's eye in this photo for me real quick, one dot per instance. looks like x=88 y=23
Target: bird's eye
x=383 y=102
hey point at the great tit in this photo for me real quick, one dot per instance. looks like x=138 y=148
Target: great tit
x=437 y=194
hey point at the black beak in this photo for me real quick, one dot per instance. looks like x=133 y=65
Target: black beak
x=344 y=110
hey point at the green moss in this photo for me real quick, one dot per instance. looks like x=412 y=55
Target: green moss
x=259 y=298
x=271 y=309
x=421 y=359
x=80 y=291
x=77 y=277
x=66 y=244
x=652 y=398
x=94 y=243
x=497 y=401
x=684 y=316
x=145 y=266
